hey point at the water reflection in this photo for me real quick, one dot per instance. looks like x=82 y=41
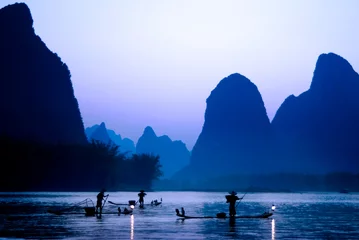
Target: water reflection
x=273 y=229
x=132 y=227
x=26 y=217
x=232 y=224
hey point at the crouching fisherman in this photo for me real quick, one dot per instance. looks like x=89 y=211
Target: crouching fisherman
x=182 y=214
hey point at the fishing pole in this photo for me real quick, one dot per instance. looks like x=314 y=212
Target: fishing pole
x=242 y=196
x=105 y=201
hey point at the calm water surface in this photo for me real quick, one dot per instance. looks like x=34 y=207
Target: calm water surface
x=298 y=215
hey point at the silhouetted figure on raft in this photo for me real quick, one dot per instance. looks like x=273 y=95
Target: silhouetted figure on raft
x=100 y=198
x=231 y=199
x=141 y=195
x=182 y=214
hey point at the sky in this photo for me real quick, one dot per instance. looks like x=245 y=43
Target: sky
x=138 y=63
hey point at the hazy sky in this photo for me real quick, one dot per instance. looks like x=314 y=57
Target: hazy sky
x=136 y=63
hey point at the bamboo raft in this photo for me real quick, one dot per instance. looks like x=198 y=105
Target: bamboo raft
x=222 y=216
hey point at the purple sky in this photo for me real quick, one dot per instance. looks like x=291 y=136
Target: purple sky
x=136 y=63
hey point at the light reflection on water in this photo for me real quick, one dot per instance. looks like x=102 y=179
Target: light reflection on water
x=301 y=216
x=273 y=229
x=132 y=227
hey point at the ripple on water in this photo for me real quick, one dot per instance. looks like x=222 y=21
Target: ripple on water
x=301 y=216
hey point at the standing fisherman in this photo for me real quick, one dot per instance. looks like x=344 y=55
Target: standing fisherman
x=231 y=199
x=141 y=195
x=100 y=198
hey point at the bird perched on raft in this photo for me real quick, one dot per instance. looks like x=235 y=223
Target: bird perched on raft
x=125 y=211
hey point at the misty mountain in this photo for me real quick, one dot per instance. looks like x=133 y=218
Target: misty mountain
x=116 y=138
x=174 y=155
x=236 y=134
x=318 y=131
x=89 y=131
x=101 y=133
x=38 y=101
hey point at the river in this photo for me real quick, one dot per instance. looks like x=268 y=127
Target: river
x=297 y=215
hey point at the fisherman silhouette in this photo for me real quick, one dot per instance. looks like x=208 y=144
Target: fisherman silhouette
x=183 y=212
x=100 y=198
x=142 y=194
x=231 y=199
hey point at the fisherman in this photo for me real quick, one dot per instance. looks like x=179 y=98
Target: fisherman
x=183 y=212
x=100 y=198
x=231 y=199
x=141 y=195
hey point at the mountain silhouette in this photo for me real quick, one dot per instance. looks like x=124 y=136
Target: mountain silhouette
x=318 y=131
x=37 y=97
x=236 y=133
x=100 y=134
x=106 y=135
x=89 y=131
x=174 y=155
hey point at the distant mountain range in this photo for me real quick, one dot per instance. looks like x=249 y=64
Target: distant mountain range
x=315 y=132
x=101 y=133
x=174 y=155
